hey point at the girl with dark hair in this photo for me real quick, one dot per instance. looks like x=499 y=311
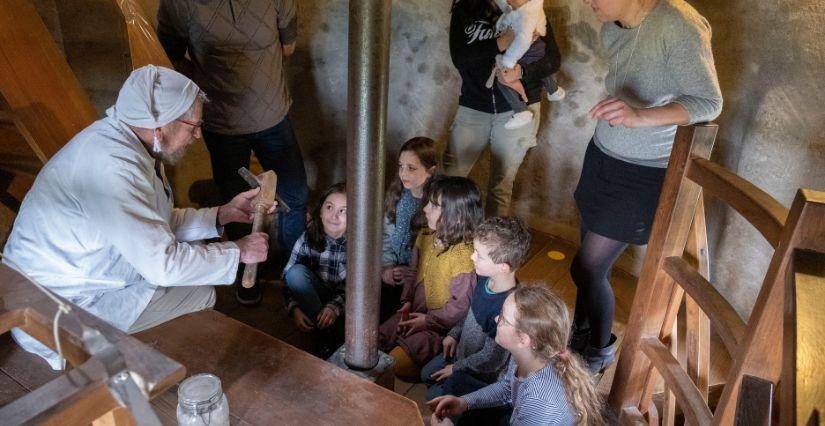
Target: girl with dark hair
x=316 y=273
x=404 y=217
x=439 y=295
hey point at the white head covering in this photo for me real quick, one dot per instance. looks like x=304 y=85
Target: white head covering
x=154 y=96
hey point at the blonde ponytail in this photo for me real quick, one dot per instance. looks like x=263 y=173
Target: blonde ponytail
x=579 y=388
x=543 y=316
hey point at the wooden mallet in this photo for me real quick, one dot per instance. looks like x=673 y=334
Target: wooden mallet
x=267 y=181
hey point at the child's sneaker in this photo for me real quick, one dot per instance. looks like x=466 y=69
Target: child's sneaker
x=519 y=119
x=557 y=95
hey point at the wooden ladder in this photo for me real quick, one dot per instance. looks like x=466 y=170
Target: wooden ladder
x=81 y=395
x=666 y=277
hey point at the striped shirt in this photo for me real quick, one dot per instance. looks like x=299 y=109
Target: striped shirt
x=330 y=265
x=536 y=400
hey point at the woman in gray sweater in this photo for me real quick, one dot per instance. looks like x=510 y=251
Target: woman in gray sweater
x=661 y=74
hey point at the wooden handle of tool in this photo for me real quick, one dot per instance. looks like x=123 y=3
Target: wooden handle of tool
x=250 y=272
x=264 y=198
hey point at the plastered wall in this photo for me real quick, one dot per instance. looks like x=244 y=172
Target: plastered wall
x=770 y=56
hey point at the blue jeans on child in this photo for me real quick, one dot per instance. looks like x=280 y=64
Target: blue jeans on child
x=277 y=149
x=514 y=99
x=458 y=383
x=307 y=289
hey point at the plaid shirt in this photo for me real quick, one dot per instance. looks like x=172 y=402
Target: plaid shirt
x=330 y=265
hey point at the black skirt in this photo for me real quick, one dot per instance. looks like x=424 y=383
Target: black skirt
x=618 y=199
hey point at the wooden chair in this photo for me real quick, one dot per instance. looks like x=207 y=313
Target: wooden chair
x=82 y=395
x=666 y=277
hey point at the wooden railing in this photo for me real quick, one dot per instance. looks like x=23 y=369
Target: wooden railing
x=648 y=351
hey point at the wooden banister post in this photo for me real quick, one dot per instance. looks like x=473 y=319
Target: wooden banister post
x=670 y=230
x=697 y=324
x=803 y=388
x=144 y=46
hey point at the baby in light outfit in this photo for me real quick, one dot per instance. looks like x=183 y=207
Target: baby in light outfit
x=526 y=18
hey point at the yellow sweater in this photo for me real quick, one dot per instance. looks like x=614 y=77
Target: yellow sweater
x=436 y=270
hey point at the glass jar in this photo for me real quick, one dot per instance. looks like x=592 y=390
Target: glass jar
x=201 y=402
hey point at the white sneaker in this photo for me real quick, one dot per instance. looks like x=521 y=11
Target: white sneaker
x=557 y=95
x=519 y=119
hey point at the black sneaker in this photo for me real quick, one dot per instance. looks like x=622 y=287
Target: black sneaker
x=248 y=296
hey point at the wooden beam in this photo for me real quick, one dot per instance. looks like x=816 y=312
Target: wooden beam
x=760 y=209
x=77 y=397
x=144 y=46
x=726 y=321
x=36 y=81
x=155 y=372
x=693 y=405
x=803 y=384
x=697 y=324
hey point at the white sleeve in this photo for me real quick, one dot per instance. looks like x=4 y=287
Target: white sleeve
x=194 y=224
x=121 y=207
x=523 y=28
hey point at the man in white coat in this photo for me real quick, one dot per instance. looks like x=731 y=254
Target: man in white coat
x=99 y=227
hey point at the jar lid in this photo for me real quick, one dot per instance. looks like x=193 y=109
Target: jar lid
x=200 y=393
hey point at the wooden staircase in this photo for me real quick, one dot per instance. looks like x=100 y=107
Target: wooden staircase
x=667 y=279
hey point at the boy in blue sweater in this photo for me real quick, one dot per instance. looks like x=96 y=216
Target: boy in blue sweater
x=472 y=359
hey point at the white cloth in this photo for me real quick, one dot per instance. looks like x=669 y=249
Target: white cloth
x=155 y=96
x=524 y=21
x=99 y=228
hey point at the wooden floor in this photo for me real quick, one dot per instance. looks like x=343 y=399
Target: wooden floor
x=271 y=318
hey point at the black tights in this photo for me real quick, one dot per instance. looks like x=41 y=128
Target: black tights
x=591 y=272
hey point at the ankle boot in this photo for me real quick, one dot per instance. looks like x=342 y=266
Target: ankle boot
x=599 y=358
x=579 y=340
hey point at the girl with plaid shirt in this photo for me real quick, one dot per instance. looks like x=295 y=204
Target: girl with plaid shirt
x=316 y=273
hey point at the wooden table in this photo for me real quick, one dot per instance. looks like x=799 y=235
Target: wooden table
x=270 y=382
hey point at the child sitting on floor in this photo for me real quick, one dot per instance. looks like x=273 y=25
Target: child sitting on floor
x=404 y=217
x=316 y=272
x=544 y=384
x=472 y=359
x=439 y=296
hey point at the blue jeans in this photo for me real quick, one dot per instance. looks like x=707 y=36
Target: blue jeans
x=307 y=289
x=277 y=149
x=458 y=383
x=514 y=99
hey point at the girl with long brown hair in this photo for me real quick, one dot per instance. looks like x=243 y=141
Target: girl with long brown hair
x=544 y=384
x=404 y=217
x=439 y=295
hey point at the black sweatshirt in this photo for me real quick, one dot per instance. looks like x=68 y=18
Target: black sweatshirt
x=473 y=49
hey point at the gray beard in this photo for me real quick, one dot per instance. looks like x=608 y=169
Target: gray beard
x=172 y=158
